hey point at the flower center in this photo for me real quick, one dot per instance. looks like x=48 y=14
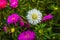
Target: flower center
x=34 y=16
x=13 y=18
x=27 y=35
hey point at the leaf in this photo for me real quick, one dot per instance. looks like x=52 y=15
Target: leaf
x=49 y=29
x=33 y=0
x=43 y=25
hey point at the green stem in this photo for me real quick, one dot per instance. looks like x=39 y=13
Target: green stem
x=23 y=17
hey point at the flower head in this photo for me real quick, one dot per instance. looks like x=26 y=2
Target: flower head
x=27 y=35
x=27 y=25
x=5 y=28
x=47 y=17
x=13 y=3
x=34 y=16
x=13 y=18
x=21 y=23
x=3 y=4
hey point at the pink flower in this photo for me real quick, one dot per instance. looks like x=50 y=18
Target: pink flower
x=22 y=23
x=13 y=3
x=27 y=35
x=3 y=4
x=13 y=18
x=27 y=25
x=5 y=28
x=47 y=17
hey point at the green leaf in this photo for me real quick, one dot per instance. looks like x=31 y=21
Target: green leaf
x=33 y=0
x=49 y=29
x=43 y=25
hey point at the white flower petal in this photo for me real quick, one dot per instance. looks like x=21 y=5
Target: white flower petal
x=30 y=21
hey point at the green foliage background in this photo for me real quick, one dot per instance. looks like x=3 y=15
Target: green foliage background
x=49 y=30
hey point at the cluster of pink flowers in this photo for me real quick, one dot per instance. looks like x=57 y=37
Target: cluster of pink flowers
x=4 y=3
x=14 y=18
x=25 y=35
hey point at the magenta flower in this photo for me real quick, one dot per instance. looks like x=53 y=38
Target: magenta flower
x=13 y=18
x=27 y=35
x=13 y=3
x=47 y=17
x=22 y=23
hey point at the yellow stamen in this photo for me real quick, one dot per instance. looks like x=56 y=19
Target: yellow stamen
x=34 y=16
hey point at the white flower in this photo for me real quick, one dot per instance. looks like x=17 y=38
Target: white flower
x=34 y=16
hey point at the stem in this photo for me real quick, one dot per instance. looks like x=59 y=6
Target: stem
x=23 y=17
